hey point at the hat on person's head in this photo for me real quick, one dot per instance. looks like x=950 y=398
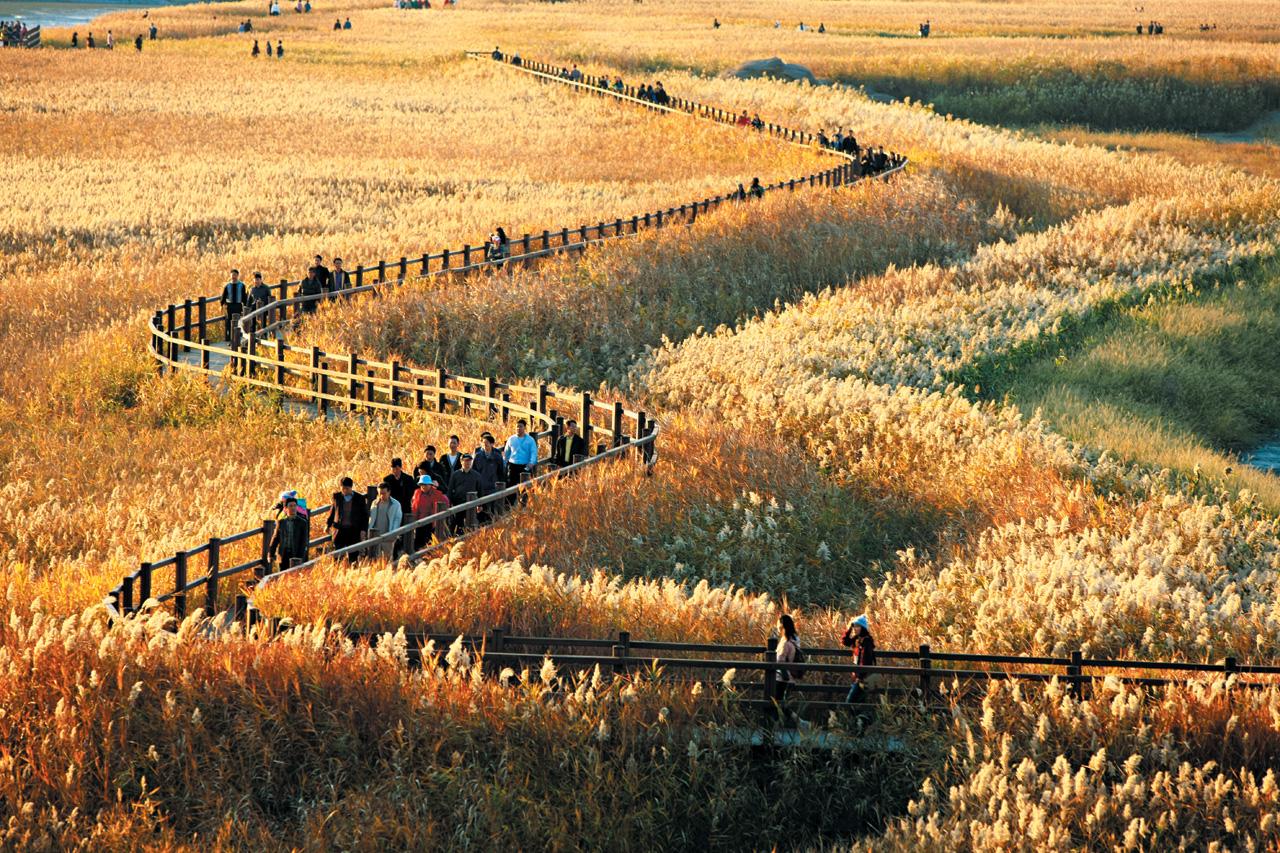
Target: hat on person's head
x=424 y=480
x=465 y=456
x=863 y=622
x=289 y=493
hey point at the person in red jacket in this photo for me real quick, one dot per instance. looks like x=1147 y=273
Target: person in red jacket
x=427 y=501
x=857 y=636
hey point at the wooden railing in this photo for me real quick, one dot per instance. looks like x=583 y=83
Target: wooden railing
x=930 y=678
x=354 y=383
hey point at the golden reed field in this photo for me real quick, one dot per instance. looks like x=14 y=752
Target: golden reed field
x=832 y=374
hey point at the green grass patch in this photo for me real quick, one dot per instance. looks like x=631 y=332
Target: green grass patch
x=1185 y=382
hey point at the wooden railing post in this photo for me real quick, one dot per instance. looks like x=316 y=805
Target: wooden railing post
x=268 y=533
x=144 y=584
x=524 y=245
x=314 y=363
x=770 y=672
x=543 y=392
x=491 y=391
x=280 y=359
x=926 y=680
x=211 y=582
x=204 y=353
x=353 y=384
x=584 y=423
x=441 y=379
x=616 y=425
x=393 y=371
x=382 y=271
x=126 y=595
x=202 y=311
x=472 y=518
x=621 y=651
x=466 y=255
x=180 y=584
x=404 y=268
x=1073 y=674
x=186 y=323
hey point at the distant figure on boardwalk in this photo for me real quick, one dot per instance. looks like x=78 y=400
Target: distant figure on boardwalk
x=715 y=24
x=269 y=54
x=431 y=466
x=490 y=464
x=660 y=95
x=385 y=516
x=279 y=49
x=427 y=501
x=259 y=294
x=740 y=194
x=232 y=299
x=346 y=25
x=75 y=39
x=292 y=536
x=787 y=652
x=275 y=8
x=570 y=447
x=462 y=483
x=520 y=453
x=322 y=273
x=857 y=637
x=452 y=460
x=497 y=53
x=757 y=122
x=576 y=74
x=402 y=486
x=137 y=43
x=111 y=41
x=348 y=516
x=337 y=23
x=310 y=286
x=822 y=28
x=756 y=190
x=498 y=247
x=91 y=43
x=744 y=120
x=339 y=279
x=152 y=32
x=924 y=29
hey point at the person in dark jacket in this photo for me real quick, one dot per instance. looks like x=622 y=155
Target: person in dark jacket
x=339 y=279
x=462 y=483
x=310 y=287
x=452 y=460
x=489 y=464
x=857 y=637
x=348 y=516
x=293 y=534
x=259 y=294
x=233 y=297
x=569 y=447
x=432 y=467
x=402 y=486
x=756 y=191
x=323 y=273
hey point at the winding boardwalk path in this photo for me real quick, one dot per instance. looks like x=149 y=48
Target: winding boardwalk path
x=189 y=337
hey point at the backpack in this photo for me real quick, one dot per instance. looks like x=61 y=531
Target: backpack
x=798 y=674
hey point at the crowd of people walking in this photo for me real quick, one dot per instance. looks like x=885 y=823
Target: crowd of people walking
x=438 y=482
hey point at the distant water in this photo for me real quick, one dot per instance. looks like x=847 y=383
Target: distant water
x=1266 y=457
x=57 y=13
